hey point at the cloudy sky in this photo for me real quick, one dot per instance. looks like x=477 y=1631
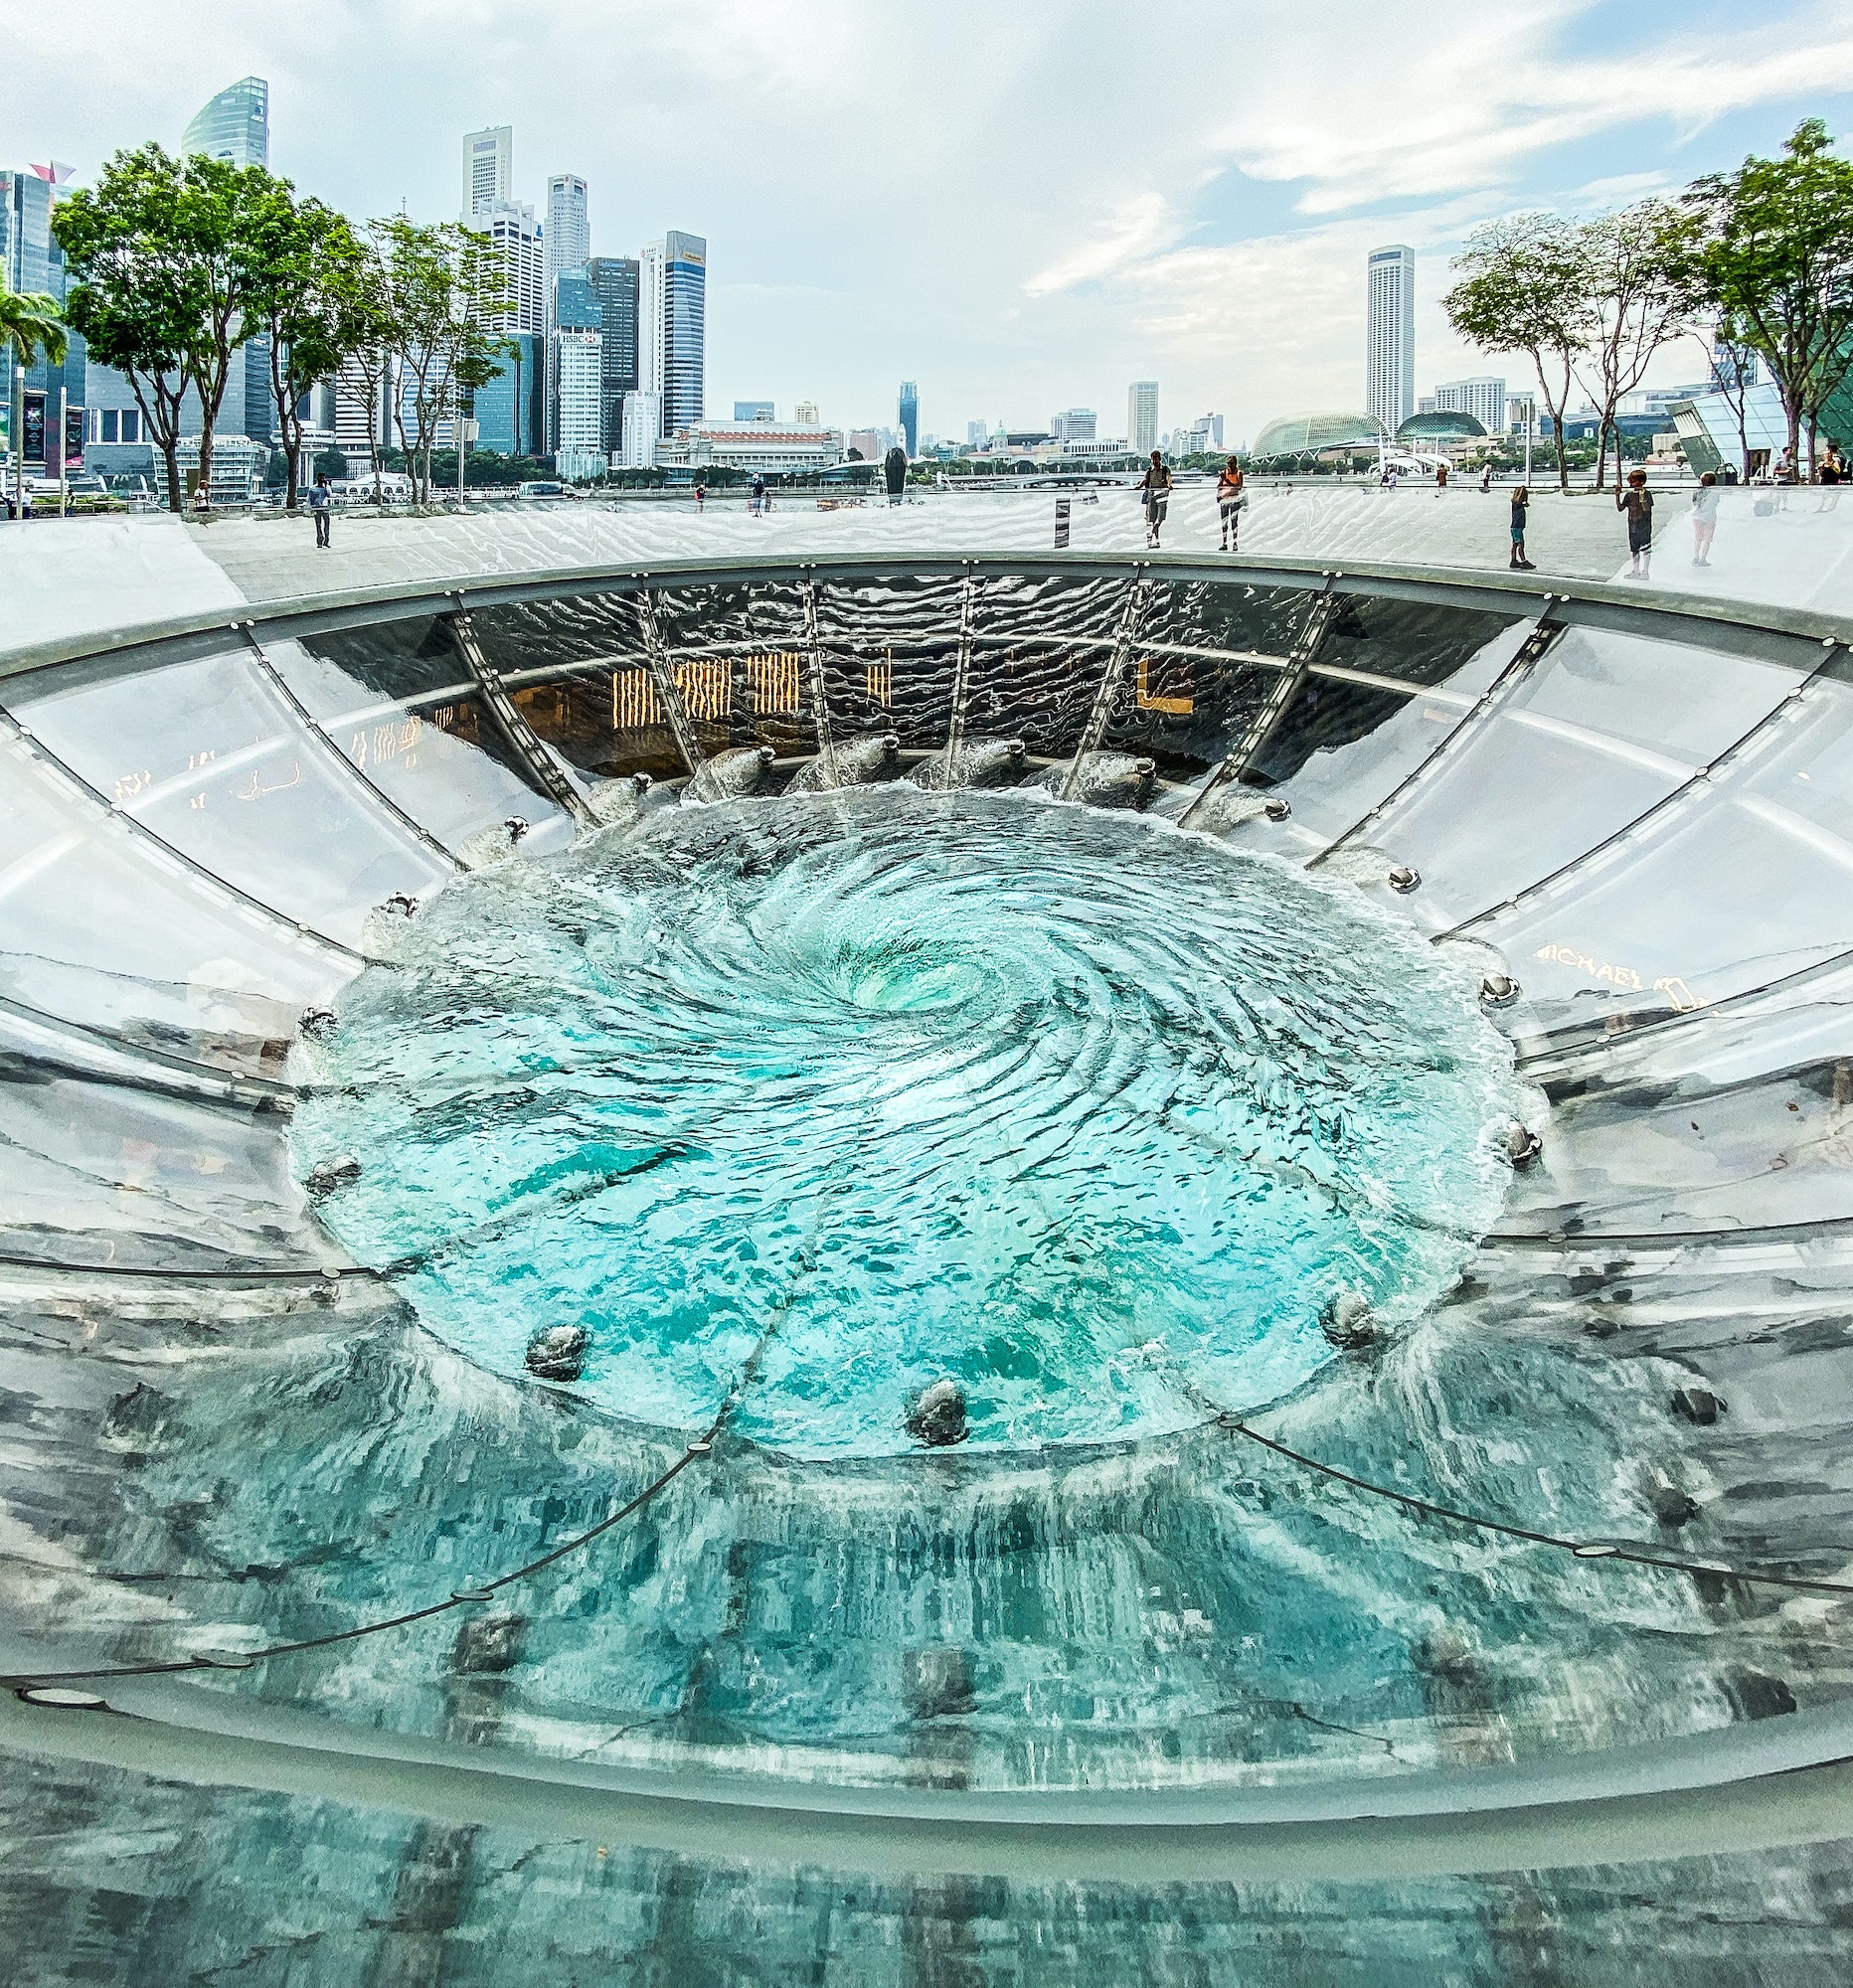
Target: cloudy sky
x=1023 y=204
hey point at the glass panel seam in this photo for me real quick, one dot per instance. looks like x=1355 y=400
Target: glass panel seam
x=140 y=831
x=350 y=774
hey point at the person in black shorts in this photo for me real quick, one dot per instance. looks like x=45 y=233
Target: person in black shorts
x=1155 y=488
x=1638 y=502
x=1230 y=500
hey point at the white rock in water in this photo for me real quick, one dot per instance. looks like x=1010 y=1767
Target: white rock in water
x=1108 y=779
x=858 y=760
x=738 y=770
x=979 y=762
x=937 y=1415
x=559 y=1353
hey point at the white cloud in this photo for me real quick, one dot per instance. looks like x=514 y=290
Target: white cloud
x=1136 y=227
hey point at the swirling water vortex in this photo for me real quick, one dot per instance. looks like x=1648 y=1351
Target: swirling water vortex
x=1090 y=1114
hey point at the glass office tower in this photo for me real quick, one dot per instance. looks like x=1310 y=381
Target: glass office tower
x=613 y=281
x=235 y=125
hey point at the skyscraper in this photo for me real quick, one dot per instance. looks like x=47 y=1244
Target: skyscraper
x=1142 y=417
x=1390 y=359
x=511 y=228
x=804 y=414
x=566 y=238
x=234 y=127
x=576 y=370
x=1482 y=396
x=672 y=327
x=910 y=415
x=488 y=167
x=643 y=429
x=31 y=259
x=613 y=281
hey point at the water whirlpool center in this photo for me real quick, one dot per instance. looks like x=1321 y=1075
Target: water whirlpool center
x=1093 y=1117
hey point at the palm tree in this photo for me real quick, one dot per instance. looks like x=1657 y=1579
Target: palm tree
x=30 y=324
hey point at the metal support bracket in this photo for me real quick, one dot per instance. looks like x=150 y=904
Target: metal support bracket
x=1267 y=721
x=820 y=703
x=1130 y=616
x=656 y=661
x=536 y=760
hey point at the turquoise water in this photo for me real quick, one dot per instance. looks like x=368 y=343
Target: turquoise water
x=1091 y=1115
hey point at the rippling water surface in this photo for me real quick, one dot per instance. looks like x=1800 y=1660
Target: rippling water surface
x=1087 y=1113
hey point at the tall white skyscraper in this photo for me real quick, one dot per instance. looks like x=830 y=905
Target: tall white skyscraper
x=488 y=167
x=1390 y=359
x=1142 y=417
x=652 y=262
x=567 y=238
x=510 y=226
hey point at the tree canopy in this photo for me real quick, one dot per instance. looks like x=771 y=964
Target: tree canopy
x=1523 y=289
x=1774 y=255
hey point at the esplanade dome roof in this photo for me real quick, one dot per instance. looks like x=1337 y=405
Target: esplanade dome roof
x=1307 y=435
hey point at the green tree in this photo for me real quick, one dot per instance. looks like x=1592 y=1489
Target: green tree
x=134 y=298
x=1524 y=288
x=30 y=324
x=305 y=290
x=162 y=257
x=436 y=287
x=1640 y=294
x=1775 y=258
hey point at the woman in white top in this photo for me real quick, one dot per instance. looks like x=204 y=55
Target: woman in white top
x=1704 y=518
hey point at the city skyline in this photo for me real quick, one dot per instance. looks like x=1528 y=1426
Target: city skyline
x=1218 y=250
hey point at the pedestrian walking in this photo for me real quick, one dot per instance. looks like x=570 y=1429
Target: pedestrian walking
x=700 y=498
x=1704 y=518
x=756 y=494
x=1521 y=508
x=1231 y=501
x=1486 y=479
x=1830 y=473
x=321 y=509
x=1440 y=479
x=1155 y=488
x=1637 y=501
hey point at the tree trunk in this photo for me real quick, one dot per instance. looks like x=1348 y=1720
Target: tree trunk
x=171 y=451
x=285 y=405
x=1557 y=435
x=203 y=497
